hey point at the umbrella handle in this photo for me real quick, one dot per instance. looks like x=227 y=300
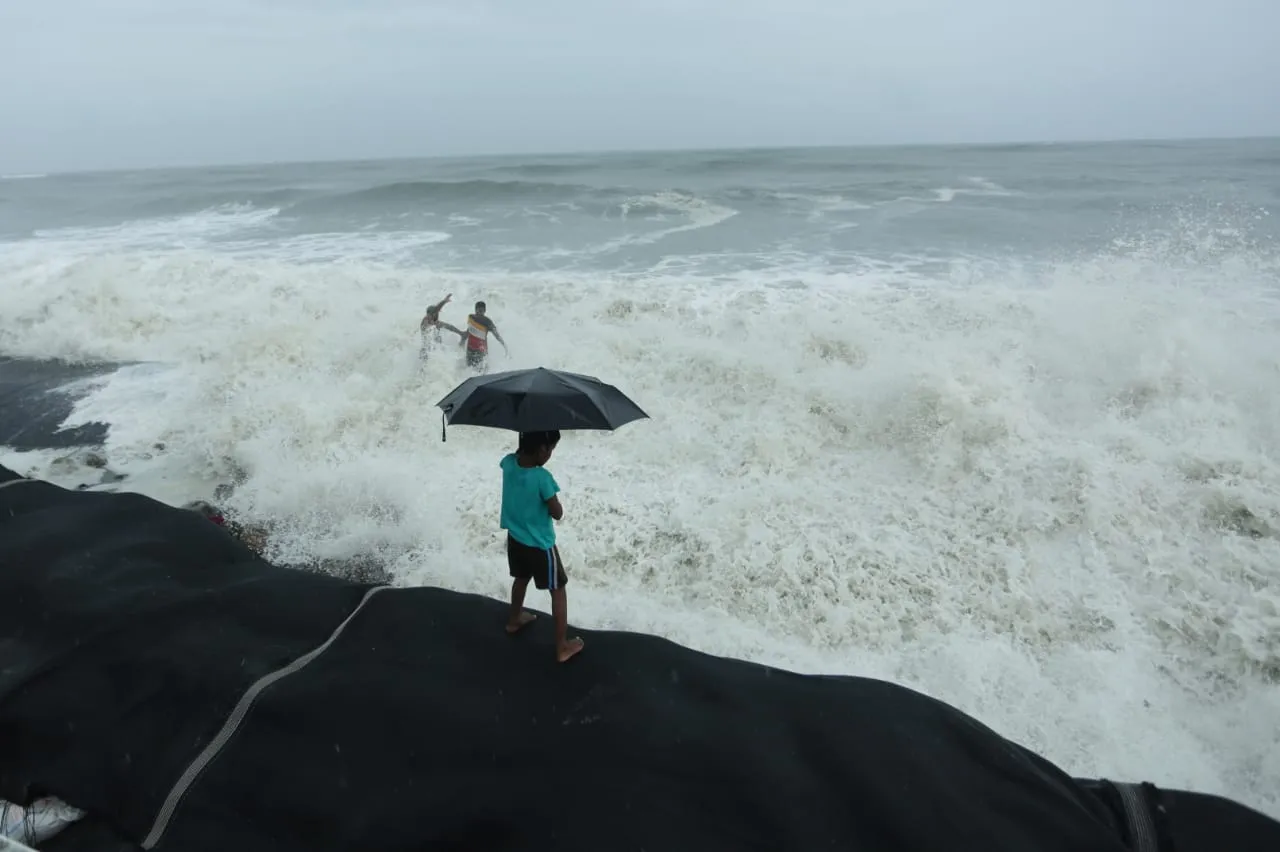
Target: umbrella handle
x=444 y=422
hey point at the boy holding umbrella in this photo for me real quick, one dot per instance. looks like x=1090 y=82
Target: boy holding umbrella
x=536 y=403
x=530 y=506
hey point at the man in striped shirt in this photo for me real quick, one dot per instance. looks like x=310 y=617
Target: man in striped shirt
x=479 y=327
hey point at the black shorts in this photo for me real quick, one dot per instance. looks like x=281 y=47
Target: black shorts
x=533 y=563
x=475 y=357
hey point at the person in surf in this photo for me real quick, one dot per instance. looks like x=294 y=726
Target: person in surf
x=530 y=508
x=431 y=325
x=479 y=327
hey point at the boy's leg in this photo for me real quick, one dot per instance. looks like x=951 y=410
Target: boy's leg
x=556 y=580
x=565 y=647
x=518 y=617
x=519 y=566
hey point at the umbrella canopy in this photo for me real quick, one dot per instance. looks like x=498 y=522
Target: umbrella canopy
x=538 y=400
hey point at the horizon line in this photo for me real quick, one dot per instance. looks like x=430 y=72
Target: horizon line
x=499 y=154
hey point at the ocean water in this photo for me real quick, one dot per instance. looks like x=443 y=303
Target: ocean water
x=998 y=423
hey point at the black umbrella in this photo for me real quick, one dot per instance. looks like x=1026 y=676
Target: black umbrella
x=538 y=400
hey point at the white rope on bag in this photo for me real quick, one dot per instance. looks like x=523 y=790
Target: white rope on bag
x=229 y=727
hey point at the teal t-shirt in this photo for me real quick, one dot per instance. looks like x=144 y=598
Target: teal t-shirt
x=525 y=492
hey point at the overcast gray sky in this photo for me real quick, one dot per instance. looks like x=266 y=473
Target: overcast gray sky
x=98 y=84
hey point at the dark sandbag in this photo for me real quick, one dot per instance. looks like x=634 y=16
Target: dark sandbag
x=35 y=400
x=192 y=697
x=131 y=631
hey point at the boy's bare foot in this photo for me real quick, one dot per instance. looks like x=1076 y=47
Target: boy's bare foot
x=524 y=619
x=568 y=649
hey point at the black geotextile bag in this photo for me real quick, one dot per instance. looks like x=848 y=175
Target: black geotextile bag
x=193 y=697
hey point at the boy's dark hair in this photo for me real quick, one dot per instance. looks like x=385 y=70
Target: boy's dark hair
x=479 y=306
x=531 y=442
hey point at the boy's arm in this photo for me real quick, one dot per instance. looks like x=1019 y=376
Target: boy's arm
x=549 y=489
